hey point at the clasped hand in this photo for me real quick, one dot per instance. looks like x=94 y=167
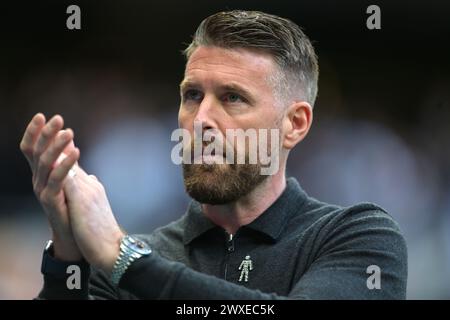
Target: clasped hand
x=76 y=205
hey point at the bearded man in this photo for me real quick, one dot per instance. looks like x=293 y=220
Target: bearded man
x=245 y=235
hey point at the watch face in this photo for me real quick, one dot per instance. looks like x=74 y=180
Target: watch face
x=138 y=246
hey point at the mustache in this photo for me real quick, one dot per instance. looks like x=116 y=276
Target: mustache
x=204 y=151
x=217 y=146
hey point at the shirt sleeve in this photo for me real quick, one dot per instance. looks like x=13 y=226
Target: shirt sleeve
x=362 y=256
x=92 y=283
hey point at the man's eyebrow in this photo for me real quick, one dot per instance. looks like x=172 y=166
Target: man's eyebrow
x=238 y=89
x=187 y=84
x=232 y=86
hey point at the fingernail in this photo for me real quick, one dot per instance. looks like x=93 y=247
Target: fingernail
x=53 y=120
x=69 y=130
x=65 y=135
x=38 y=117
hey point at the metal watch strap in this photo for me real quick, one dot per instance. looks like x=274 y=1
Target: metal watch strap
x=127 y=255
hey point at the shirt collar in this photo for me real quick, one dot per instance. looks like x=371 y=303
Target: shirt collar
x=195 y=222
x=270 y=223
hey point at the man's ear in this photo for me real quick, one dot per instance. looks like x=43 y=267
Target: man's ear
x=296 y=123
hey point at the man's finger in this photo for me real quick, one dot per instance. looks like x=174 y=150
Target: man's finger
x=49 y=157
x=69 y=147
x=58 y=174
x=53 y=126
x=30 y=136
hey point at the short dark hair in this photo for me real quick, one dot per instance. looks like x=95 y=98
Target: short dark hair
x=281 y=38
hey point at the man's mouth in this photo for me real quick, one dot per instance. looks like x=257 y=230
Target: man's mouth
x=210 y=157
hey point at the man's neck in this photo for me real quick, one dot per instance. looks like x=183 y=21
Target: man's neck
x=232 y=216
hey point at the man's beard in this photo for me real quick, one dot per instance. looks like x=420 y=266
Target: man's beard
x=221 y=183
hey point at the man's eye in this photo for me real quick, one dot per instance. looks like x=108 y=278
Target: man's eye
x=233 y=98
x=192 y=95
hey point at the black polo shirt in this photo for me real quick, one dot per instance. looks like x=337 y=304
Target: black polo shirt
x=299 y=248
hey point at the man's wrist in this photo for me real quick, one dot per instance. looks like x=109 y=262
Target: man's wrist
x=114 y=252
x=58 y=274
x=57 y=268
x=65 y=250
x=131 y=249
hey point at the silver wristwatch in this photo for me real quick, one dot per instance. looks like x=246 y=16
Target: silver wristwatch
x=130 y=250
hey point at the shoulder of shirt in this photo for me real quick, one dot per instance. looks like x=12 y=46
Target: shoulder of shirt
x=315 y=213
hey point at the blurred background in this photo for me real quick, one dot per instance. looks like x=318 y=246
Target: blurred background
x=380 y=133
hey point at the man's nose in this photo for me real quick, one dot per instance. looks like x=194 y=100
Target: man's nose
x=207 y=113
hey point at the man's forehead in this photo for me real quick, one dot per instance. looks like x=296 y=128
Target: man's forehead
x=238 y=62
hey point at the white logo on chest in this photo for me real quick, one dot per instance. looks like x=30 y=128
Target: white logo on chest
x=246 y=266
